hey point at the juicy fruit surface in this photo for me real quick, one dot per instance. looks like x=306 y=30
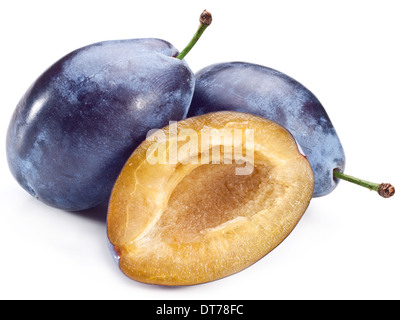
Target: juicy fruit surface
x=72 y=132
x=193 y=222
x=250 y=88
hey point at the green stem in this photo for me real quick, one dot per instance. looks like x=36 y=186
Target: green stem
x=205 y=21
x=385 y=190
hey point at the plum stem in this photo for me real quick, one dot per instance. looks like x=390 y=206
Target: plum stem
x=385 y=190
x=205 y=21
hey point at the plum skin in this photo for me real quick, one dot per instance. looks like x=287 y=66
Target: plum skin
x=75 y=127
x=262 y=91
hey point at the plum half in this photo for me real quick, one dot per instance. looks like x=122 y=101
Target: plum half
x=207 y=197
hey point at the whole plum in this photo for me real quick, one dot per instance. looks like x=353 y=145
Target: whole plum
x=258 y=90
x=78 y=123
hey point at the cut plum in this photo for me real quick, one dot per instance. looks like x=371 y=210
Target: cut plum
x=207 y=197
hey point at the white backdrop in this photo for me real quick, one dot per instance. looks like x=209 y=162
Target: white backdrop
x=346 y=52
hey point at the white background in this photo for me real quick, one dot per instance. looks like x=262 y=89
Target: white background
x=346 y=52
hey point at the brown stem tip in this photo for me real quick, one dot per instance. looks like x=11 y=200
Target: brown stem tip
x=386 y=190
x=205 y=18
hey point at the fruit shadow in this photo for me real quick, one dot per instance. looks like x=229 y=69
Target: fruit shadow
x=98 y=214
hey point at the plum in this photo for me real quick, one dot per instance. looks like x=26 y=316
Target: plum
x=255 y=89
x=237 y=187
x=262 y=91
x=75 y=127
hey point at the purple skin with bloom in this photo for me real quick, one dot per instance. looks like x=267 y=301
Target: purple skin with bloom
x=75 y=127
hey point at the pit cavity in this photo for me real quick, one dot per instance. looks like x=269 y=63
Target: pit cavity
x=211 y=195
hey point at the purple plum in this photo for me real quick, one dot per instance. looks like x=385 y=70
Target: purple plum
x=258 y=90
x=78 y=123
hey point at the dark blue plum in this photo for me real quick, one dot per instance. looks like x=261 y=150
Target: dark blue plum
x=255 y=89
x=75 y=127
